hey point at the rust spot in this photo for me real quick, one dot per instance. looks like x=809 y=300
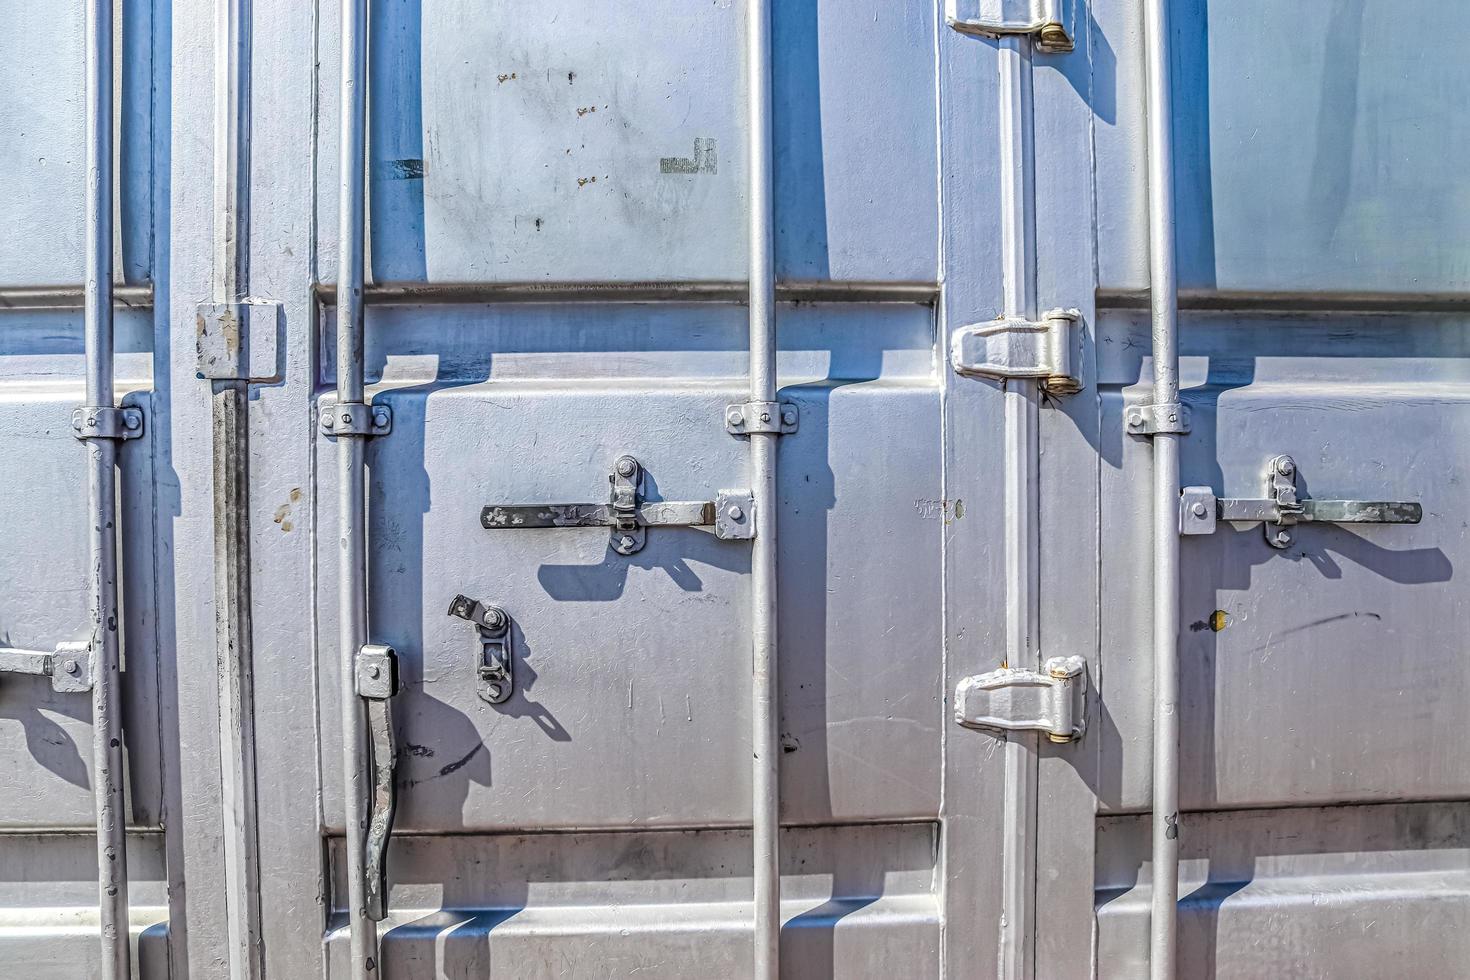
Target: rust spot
x=505 y=78
x=295 y=495
x=1219 y=619
x=584 y=181
x=586 y=109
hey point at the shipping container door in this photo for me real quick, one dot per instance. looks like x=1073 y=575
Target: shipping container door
x=1323 y=265
x=49 y=920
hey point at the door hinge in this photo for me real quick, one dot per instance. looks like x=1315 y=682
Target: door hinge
x=1048 y=21
x=1200 y=510
x=731 y=513
x=237 y=341
x=1014 y=347
x=1052 y=700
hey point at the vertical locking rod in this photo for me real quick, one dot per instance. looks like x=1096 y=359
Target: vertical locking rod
x=107 y=730
x=1163 y=299
x=1022 y=420
x=765 y=691
x=352 y=503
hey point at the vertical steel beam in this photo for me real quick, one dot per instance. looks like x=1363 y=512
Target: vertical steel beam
x=1022 y=504
x=352 y=502
x=765 y=689
x=1163 y=293
x=230 y=441
x=107 y=729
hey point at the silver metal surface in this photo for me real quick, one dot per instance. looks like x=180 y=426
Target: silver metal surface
x=1051 y=700
x=376 y=681
x=1015 y=347
x=352 y=586
x=1167 y=419
x=775 y=418
x=336 y=418
x=765 y=689
x=236 y=341
x=107 y=731
x=1150 y=420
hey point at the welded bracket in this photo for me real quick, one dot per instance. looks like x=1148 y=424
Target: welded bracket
x=69 y=666
x=1048 y=21
x=1014 y=347
x=376 y=680
x=355 y=419
x=106 y=422
x=495 y=664
x=777 y=418
x=1149 y=420
x=731 y=514
x=1281 y=509
x=1052 y=700
x=237 y=341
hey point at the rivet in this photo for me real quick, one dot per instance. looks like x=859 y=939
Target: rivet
x=734 y=513
x=1200 y=510
x=626 y=466
x=132 y=420
x=71 y=666
x=625 y=541
x=373 y=670
x=788 y=417
x=735 y=417
x=346 y=419
x=765 y=416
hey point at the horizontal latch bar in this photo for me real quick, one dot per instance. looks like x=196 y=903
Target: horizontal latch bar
x=1052 y=700
x=663 y=513
x=997 y=18
x=69 y=666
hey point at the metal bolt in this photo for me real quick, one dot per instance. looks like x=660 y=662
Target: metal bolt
x=788 y=416
x=92 y=421
x=1058 y=739
x=494 y=618
x=328 y=421
x=492 y=691
x=1135 y=419
x=1285 y=467
x=1283 y=538
x=765 y=416
x=734 y=513
x=736 y=417
x=71 y=666
x=373 y=670
x=625 y=542
x=346 y=419
x=626 y=466
x=380 y=417
x=132 y=420
x=1200 y=510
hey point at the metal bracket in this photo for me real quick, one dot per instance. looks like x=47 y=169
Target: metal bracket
x=237 y=341
x=355 y=419
x=629 y=515
x=376 y=679
x=1148 y=420
x=1014 y=347
x=1044 y=19
x=69 y=666
x=1053 y=700
x=777 y=418
x=106 y=422
x=496 y=666
x=1200 y=510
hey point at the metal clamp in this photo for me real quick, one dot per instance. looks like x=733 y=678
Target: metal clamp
x=496 y=664
x=1043 y=19
x=1148 y=420
x=1011 y=699
x=106 y=422
x=69 y=666
x=731 y=513
x=1200 y=510
x=776 y=418
x=355 y=419
x=1014 y=347
x=376 y=680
